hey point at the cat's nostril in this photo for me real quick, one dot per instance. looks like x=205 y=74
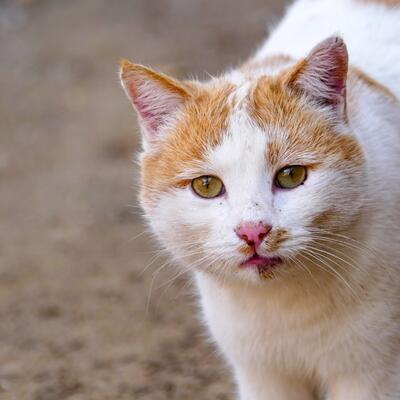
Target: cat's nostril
x=262 y=235
x=253 y=233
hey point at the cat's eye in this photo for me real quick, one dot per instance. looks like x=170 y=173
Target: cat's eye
x=291 y=176
x=208 y=186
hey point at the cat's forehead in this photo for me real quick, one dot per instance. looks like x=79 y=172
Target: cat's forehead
x=266 y=127
x=243 y=147
x=263 y=115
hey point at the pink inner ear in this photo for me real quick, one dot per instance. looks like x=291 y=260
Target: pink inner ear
x=155 y=97
x=325 y=72
x=151 y=114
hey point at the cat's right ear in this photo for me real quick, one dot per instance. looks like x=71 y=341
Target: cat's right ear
x=322 y=74
x=155 y=96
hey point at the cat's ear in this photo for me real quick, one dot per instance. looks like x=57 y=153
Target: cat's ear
x=155 y=96
x=322 y=74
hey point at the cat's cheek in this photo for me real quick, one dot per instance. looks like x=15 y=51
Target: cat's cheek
x=322 y=202
x=183 y=223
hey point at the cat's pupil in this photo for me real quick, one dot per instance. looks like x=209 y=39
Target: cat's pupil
x=206 y=182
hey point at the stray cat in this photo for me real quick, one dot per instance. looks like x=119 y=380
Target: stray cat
x=278 y=184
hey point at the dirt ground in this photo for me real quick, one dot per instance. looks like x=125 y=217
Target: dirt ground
x=80 y=316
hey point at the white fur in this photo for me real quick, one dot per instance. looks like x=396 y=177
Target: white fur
x=308 y=333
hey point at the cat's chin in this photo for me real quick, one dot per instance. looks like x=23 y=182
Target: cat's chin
x=263 y=266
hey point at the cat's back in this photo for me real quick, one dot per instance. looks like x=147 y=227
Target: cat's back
x=370 y=28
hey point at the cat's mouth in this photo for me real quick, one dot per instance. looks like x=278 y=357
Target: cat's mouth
x=264 y=265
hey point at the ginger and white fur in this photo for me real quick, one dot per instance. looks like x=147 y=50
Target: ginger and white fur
x=327 y=324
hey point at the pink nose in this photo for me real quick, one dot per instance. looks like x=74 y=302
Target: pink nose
x=253 y=233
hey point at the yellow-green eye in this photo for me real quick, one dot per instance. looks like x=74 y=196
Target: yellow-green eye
x=208 y=186
x=291 y=176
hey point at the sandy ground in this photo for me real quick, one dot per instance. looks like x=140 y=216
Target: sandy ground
x=80 y=318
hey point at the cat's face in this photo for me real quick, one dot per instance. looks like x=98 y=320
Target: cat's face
x=240 y=177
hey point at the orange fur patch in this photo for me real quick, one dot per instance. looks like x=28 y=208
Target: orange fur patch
x=246 y=250
x=324 y=218
x=131 y=73
x=202 y=125
x=275 y=239
x=274 y=106
x=266 y=274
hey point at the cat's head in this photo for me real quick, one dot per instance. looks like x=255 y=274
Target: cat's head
x=242 y=174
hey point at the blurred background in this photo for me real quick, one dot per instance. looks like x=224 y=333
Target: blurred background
x=81 y=317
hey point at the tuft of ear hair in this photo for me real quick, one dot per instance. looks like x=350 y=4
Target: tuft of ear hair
x=155 y=96
x=322 y=74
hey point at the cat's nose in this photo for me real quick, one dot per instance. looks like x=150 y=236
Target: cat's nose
x=253 y=233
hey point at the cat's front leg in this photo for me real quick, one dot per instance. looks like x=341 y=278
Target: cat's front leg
x=268 y=385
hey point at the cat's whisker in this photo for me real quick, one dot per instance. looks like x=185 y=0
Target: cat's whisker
x=360 y=247
x=152 y=261
x=154 y=275
x=189 y=268
x=324 y=260
x=330 y=253
x=171 y=281
x=343 y=243
x=298 y=262
x=346 y=238
x=132 y=239
x=343 y=253
x=193 y=265
x=165 y=252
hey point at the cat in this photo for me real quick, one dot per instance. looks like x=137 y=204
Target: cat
x=277 y=184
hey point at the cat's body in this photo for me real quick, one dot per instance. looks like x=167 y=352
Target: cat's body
x=325 y=321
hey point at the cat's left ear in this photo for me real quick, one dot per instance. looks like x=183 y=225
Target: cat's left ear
x=322 y=74
x=155 y=96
